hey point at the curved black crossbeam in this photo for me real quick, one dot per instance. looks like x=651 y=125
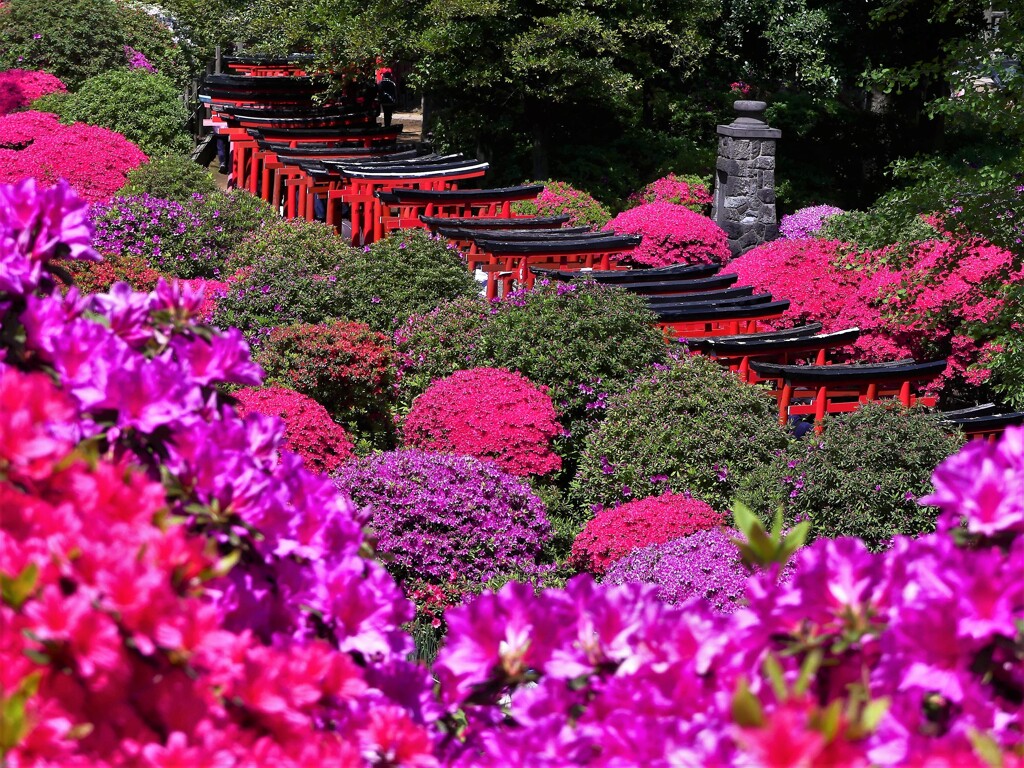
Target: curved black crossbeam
x=446 y=196
x=518 y=222
x=674 y=272
x=850 y=373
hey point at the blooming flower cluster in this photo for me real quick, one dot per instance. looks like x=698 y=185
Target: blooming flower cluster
x=687 y=191
x=170 y=235
x=443 y=518
x=705 y=565
x=130 y=487
x=124 y=639
x=941 y=300
x=900 y=658
x=617 y=531
x=20 y=87
x=807 y=221
x=672 y=234
x=490 y=413
x=100 y=276
x=344 y=366
x=137 y=59
x=560 y=197
x=94 y=161
x=308 y=429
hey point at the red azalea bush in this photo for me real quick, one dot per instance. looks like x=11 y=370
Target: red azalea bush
x=98 y=276
x=672 y=234
x=688 y=191
x=934 y=298
x=491 y=414
x=20 y=87
x=616 y=531
x=344 y=366
x=308 y=429
x=93 y=160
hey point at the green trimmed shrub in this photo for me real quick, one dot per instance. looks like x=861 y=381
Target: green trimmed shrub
x=436 y=344
x=583 y=340
x=172 y=177
x=143 y=106
x=312 y=247
x=690 y=427
x=406 y=273
x=861 y=477
x=78 y=39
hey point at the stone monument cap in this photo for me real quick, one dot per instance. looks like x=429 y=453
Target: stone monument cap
x=749 y=122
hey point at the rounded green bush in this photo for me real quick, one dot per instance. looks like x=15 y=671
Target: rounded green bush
x=560 y=197
x=436 y=344
x=583 y=340
x=172 y=177
x=690 y=426
x=78 y=39
x=143 y=106
x=311 y=246
x=861 y=477
x=406 y=273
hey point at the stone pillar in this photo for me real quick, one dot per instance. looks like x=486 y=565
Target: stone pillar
x=744 y=204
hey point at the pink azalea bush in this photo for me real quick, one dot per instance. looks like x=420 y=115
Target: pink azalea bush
x=179 y=591
x=561 y=197
x=20 y=87
x=617 y=531
x=492 y=414
x=672 y=234
x=93 y=160
x=308 y=429
x=688 y=191
x=943 y=298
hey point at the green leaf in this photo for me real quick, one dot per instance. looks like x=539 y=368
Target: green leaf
x=746 y=709
x=15 y=591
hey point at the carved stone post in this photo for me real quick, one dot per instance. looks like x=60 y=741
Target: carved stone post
x=744 y=204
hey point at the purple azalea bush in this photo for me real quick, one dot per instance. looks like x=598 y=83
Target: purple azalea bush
x=704 y=565
x=807 y=221
x=443 y=517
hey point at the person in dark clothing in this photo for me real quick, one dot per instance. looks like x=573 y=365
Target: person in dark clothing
x=387 y=95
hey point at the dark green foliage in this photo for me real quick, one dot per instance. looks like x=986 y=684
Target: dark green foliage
x=78 y=39
x=691 y=426
x=172 y=177
x=309 y=247
x=1008 y=365
x=585 y=341
x=144 y=107
x=874 y=229
x=437 y=343
x=406 y=273
x=861 y=477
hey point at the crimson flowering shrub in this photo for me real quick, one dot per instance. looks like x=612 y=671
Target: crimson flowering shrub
x=560 y=197
x=129 y=488
x=344 y=366
x=93 y=160
x=705 y=564
x=807 y=222
x=445 y=519
x=255 y=632
x=688 y=191
x=672 y=234
x=100 y=276
x=309 y=431
x=617 y=531
x=20 y=87
x=491 y=414
x=940 y=297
